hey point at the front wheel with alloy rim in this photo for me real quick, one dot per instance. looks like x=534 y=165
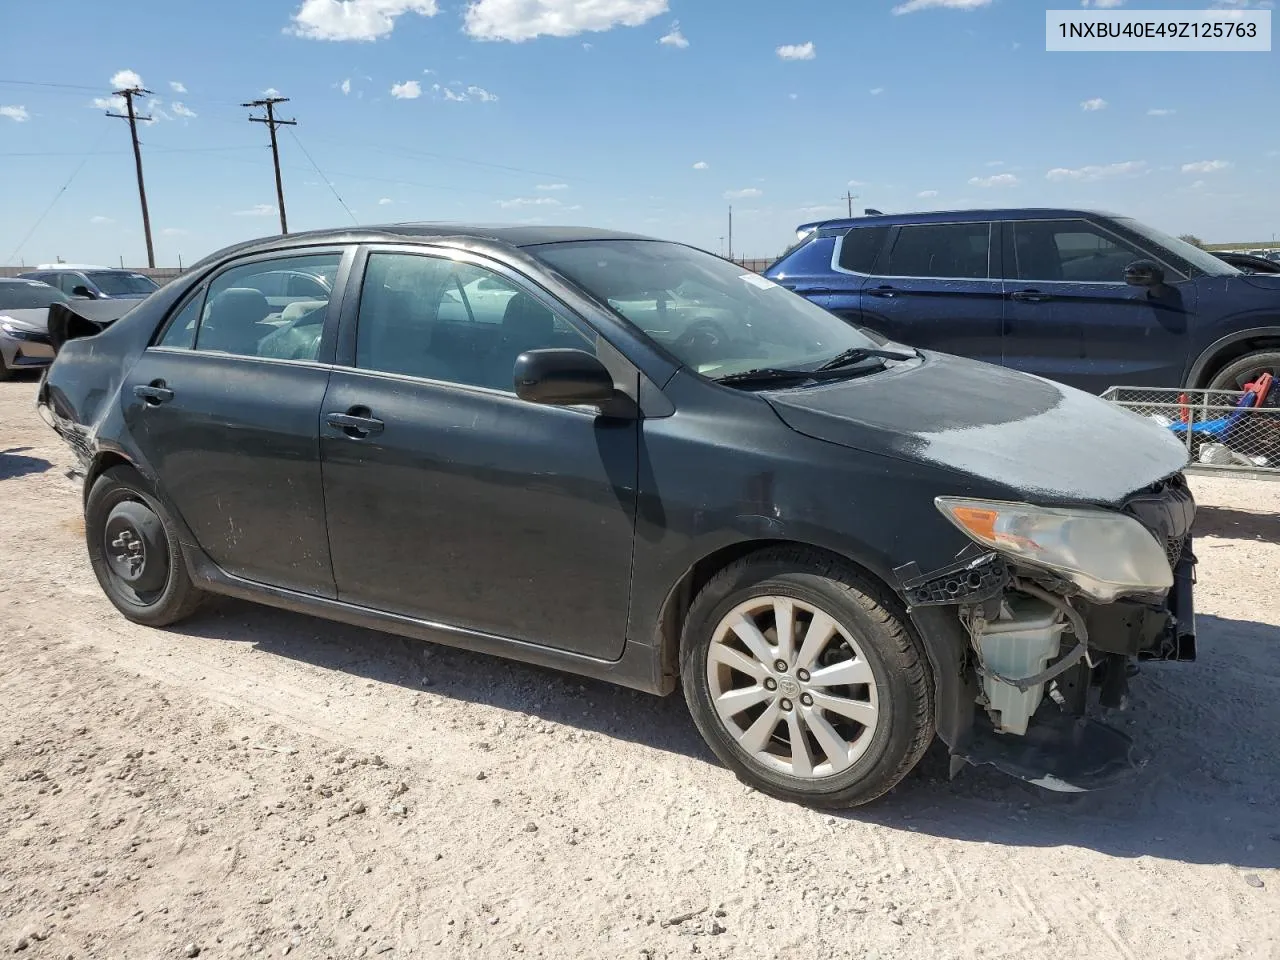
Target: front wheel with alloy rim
x=134 y=551
x=1245 y=370
x=805 y=679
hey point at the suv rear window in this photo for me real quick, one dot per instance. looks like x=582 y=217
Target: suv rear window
x=952 y=250
x=860 y=248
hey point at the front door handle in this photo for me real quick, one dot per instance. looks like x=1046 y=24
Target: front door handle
x=1030 y=296
x=885 y=292
x=154 y=393
x=357 y=423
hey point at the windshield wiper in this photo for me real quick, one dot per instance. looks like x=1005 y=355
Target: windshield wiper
x=764 y=375
x=858 y=354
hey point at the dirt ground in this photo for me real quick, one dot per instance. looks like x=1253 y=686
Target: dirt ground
x=260 y=783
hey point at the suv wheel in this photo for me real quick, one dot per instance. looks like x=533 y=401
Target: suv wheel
x=134 y=551
x=1246 y=370
x=805 y=680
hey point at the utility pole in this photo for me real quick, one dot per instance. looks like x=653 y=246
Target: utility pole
x=731 y=231
x=268 y=104
x=133 y=119
x=850 y=197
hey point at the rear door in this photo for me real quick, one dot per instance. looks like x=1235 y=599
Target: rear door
x=1071 y=317
x=853 y=262
x=937 y=286
x=225 y=408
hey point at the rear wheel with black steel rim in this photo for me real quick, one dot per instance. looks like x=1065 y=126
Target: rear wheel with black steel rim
x=1246 y=370
x=805 y=679
x=134 y=551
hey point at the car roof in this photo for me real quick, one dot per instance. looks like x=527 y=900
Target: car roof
x=958 y=216
x=495 y=234
x=24 y=280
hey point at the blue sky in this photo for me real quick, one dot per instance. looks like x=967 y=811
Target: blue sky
x=649 y=115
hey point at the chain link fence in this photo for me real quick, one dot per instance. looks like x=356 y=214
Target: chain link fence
x=1225 y=431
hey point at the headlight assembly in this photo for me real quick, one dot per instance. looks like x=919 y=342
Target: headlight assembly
x=1105 y=554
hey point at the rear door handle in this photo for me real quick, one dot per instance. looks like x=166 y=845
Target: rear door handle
x=153 y=393
x=357 y=423
x=1030 y=296
x=885 y=292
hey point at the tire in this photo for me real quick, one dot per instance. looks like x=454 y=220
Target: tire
x=1238 y=372
x=872 y=641
x=134 y=552
x=6 y=372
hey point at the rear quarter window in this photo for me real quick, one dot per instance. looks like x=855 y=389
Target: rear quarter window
x=813 y=257
x=860 y=247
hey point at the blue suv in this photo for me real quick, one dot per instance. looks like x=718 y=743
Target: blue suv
x=1089 y=299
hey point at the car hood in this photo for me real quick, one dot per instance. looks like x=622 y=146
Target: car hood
x=1045 y=441
x=1266 y=281
x=34 y=318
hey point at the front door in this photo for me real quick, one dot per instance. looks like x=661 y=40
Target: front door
x=936 y=287
x=1071 y=317
x=225 y=408
x=451 y=500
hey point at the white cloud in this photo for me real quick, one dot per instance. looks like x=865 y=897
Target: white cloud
x=857 y=183
x=927 y=194
x=586 y=46
x=100 y=219
x=177 y=87
x=797 y=51
x=16 y=113
x=1243 y=5
x=182 y=110
x=528 y=202
x=1094 y=172
x=998 y=180
x=819 y=210
x=995 y=163
x=409 y=90
x=1102 y=4
x=553 y=186
x=345 y=86
x=271 y=92
x=110 y=103
x=384 y=201
x=123 y=79
x=1206 y=166
x=793 y=96
x=876 y=91
x=674 y=38
x=746 y=194
x=456 y=94
x=701 y=165
x=354 y=19
x=1160 y=112
x=258 y=210
x=174 y=232
x=1092 y=106
x=520 y=20
x=911 y=6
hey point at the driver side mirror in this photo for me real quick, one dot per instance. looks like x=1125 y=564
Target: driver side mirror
x=1144 y=273
x=80 y=290
x=562 y=377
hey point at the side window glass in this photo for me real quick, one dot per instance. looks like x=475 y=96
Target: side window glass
x=959 y=251
x=244 y=313
x=1071 y=251
x=860 y=248
x=430 y=317
x=68 y=282
x=181 y=331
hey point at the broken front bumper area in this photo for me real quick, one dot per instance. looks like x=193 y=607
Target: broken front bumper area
x=1036 y=661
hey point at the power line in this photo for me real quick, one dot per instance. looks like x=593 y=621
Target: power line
x=850 y=196
x=324 y=178
x=268 y=104
x=129 y=93
x=43 y=83
x=61 y=190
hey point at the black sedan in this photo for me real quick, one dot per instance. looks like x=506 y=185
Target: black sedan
x=633 y=460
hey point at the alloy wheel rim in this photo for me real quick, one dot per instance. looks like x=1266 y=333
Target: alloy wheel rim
x=792 y=687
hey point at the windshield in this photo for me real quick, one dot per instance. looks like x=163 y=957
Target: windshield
x=1202 y=260
x=29 y=295
x=708 y=313
x=124 y=284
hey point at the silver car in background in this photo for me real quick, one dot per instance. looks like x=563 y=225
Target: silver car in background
x=24 y=325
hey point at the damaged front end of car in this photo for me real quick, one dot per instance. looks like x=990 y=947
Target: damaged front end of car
x=1053 y=608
